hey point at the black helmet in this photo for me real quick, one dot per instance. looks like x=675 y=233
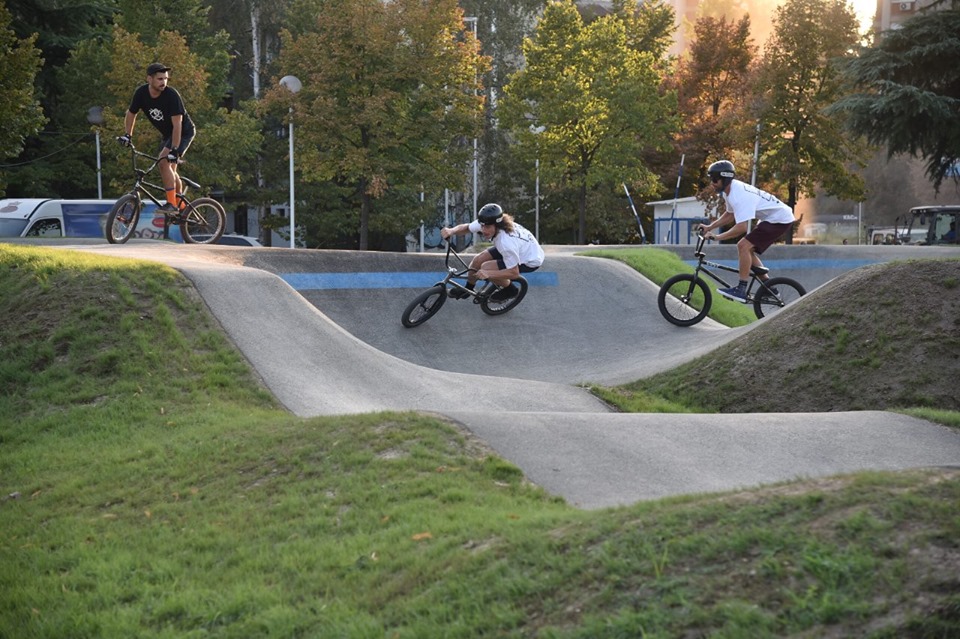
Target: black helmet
x=722 y=170
x=490 y=214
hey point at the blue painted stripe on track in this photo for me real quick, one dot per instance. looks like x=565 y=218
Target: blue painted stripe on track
x=333 y=281
x=801 y=264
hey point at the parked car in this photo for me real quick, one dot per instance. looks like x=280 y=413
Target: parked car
x=41 y=217
x=233 y=240
x=45 y=218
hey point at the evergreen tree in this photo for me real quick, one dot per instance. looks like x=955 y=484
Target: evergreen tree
x=907 y=92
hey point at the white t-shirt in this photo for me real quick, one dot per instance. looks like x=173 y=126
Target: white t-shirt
x=748 y=202
x=517 y=247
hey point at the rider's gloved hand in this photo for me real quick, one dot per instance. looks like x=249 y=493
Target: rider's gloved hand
x=173 y=155
x=125 y=140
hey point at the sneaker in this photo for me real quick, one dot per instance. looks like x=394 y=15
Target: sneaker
x=168 y=208
x=771 y=292
x=458 y=294
x=736 y=293
x=504 y=294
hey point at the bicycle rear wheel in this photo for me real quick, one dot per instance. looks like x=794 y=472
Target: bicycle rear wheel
x=424 y=306
x=203 y=216
x=684 y=299
x=493 y=306
x=789 y=291
x=122 y=219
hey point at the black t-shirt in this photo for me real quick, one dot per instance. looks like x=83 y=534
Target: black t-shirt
x=161 y=110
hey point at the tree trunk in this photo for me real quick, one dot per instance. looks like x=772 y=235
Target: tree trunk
x=582 y=206
x=365 y=204
x=792 y=203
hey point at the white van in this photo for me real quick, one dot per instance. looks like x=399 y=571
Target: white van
x=38 y=217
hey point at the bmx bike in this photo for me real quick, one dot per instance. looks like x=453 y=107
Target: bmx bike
x=685 y=299
x=202 y=216
x=428 y=303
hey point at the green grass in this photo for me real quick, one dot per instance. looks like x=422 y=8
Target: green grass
x=150 y=488
x=658 y=265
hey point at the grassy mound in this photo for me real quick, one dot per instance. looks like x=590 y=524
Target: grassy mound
x=879 y=337
x=150 y=488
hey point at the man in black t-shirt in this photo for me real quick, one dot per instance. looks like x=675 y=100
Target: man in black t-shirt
x=164 y=108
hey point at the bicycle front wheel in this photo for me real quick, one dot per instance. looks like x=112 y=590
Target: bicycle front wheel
x=122 y=219
x=491 y=305
x=684 y=299
x=203 y=217
x=424 y=306
x=779 y=292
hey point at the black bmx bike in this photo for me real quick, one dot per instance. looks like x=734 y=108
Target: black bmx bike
x=202 y=217
x=493 y=299
x=686 y=299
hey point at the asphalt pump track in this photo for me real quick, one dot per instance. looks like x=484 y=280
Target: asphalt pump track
x=322 y=330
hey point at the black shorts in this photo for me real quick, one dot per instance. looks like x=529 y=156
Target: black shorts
x=766 y=233
x=495 y=254
x=186 y=137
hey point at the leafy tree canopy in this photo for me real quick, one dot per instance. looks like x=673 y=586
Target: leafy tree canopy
x=20 y=110
x=649 y=25
x=907 y=92
x=799 y=77
x=598 y=100
x=226 y=141
x=712 y=83
x=390 y=90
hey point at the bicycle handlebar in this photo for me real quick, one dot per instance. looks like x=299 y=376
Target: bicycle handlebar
x=135 y=152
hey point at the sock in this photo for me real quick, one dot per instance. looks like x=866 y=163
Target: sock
x=172 y=197
x=743 y=283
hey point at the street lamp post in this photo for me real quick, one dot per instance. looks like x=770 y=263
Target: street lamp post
x=537 y=130
x=472 y=21
x=292 y=84
x=95 y=117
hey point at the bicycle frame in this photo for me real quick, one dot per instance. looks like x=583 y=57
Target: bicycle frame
x=143 y=187
x=704 y=265
x=454 y=273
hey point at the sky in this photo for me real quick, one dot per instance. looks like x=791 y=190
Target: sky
x=865 y=10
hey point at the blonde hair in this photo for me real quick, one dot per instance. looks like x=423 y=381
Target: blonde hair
x=506 y=223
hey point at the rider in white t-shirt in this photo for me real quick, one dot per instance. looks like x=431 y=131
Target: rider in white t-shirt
x=515 y=250
x=745 y=203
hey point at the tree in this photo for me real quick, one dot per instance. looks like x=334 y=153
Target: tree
x=799 y=76
x=390 y=92
x=598 y=101
x=907 y=92
x=226 y=141
x=649 y=25
x=20 y=110
x=712 y=85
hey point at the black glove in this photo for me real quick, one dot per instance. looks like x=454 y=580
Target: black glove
x=173 y=155
x=125 y=140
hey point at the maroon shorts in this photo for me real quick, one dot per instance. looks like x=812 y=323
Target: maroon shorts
x=766 y=233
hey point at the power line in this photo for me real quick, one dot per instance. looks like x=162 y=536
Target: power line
x=58 y=151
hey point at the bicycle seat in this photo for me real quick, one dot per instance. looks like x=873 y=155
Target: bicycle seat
x=760 y=270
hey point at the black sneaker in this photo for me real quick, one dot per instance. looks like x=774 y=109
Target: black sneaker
x=458 y=294
x=505 y=294
x=168 y=209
